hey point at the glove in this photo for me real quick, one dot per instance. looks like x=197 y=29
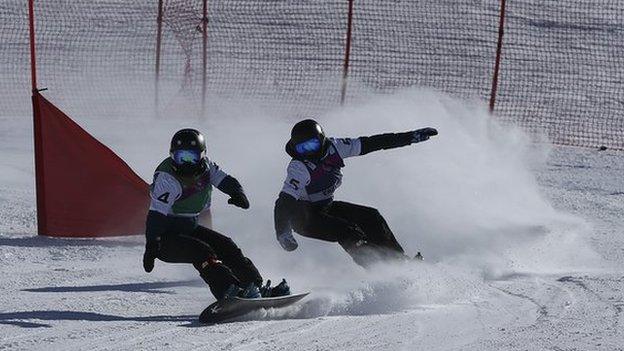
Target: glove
x=239 y=200
x=287 y=241
x=148 y=262
x=423 y=134
x=152 y=247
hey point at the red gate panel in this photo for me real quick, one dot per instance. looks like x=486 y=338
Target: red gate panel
x=83 y=188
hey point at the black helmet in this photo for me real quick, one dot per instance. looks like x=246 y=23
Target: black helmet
x=307 y=141
x=188 y=152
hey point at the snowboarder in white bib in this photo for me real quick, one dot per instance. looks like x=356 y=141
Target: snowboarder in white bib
x=181 y=190
x=306 y=202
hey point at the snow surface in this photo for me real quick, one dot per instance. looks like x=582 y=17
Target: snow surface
x=523 y=243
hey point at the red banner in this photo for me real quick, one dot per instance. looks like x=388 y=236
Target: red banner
x=83 y=188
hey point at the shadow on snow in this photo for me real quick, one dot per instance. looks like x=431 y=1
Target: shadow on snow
x=17 y=318
x=42 y=241
x=153 y=287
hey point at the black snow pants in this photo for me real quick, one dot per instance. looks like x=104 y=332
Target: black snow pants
x=361 y=231
x=218 y=259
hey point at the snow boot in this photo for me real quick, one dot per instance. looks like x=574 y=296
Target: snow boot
x=282 y=289
x=249 y=292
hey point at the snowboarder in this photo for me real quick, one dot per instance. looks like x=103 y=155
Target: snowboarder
x=306 y=202
x=181 y=190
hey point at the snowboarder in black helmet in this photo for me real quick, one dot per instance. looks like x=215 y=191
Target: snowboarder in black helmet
x=181 y=190
x=306 y=202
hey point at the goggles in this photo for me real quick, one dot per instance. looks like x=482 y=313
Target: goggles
x=186 y=156
x=308 y=147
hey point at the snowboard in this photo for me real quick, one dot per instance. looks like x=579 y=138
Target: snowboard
x=229 y=308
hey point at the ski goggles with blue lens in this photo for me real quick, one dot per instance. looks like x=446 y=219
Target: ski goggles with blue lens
x=186 y=156
x=309 y=146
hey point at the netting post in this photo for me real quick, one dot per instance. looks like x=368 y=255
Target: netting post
x=33 y=59
x=345 y=67
x=204 y=56
x=499 y=49
x=38 y=147
x=159 y=20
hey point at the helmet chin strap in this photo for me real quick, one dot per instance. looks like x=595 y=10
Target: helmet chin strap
x=325 y=153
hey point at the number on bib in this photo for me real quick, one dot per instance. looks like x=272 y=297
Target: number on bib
x=164 y=198
x=294 y=183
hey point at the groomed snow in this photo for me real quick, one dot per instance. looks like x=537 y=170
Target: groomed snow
x=523 y=243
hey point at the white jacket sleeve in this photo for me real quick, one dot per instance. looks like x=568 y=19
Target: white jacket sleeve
x=347 y=147
x=216 y=174
x=164 y=191
x=297 y=178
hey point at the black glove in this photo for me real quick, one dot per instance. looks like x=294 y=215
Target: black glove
x=287 y=241
x=423 y=134
x=152 y=248
x=239 y=200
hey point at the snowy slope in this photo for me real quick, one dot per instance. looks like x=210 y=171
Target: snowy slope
x=523 y=245
x=523 y=242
